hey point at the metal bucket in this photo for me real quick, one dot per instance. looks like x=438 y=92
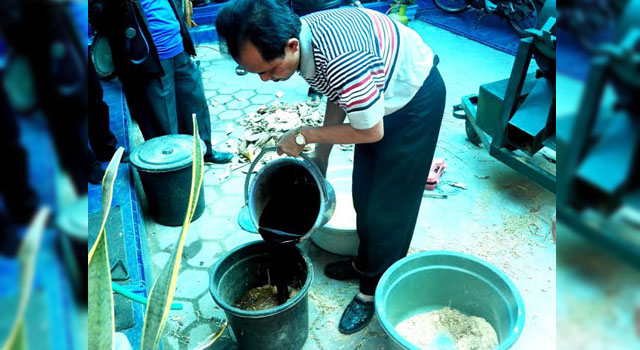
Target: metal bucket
x=273 y=181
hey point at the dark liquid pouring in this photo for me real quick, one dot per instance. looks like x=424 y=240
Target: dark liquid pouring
x=286 y=218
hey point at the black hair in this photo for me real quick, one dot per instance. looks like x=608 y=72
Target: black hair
x=267 y=24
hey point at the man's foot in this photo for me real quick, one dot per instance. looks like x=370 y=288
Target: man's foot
x=342 y=271
x=218 y=157
x=96 y=174
x=356 y=316
x=240 y=71
x=313 y=99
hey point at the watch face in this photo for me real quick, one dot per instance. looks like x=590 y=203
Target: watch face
x=300 y=139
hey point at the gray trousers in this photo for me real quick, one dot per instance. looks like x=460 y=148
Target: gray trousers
x=163 y=105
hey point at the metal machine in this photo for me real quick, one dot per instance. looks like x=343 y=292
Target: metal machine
x=599 y=190
x=515 y=118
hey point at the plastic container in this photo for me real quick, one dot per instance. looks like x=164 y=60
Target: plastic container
x=165 y=166
x=339 y=235
x=429 y=281
x=284 y=327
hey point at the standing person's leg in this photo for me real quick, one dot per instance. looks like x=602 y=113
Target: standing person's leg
x=102 y=140
x=140 y=108
x=191 y=99
x=404 y=158
x=387 y=213
x=160 y=96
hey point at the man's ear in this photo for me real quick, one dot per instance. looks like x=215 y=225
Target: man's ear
x=293 y=45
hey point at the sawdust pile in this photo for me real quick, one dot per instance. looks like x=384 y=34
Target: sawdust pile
x=262 y=298
x=264 y=127
x=448 y=329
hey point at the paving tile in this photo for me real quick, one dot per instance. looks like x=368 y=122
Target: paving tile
x=244 y=94
x=218 y=227
x=208 y=308
x=231 y=114
x=235 y=184
x=237 y=104
x=209 y=94
x=262 y=99
x=221 y=125
x=207 y=255
x=222 y=99
x=199 y=334
x=227 y=205
x=251 y=109
x=185 y=317
x=328 y=337
x=192 y=283
x=228 y=90
x=160 y=259
x=163 y=236
x=239 y=238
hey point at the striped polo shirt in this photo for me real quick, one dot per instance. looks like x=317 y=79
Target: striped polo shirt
x=364 y=61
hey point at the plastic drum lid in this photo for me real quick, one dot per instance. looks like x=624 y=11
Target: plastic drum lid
x=164 y=154
x=73 y=219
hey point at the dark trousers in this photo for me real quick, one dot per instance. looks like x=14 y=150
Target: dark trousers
x=389 y=178
x=164 y=105
x=102 y=141
x=20 y=199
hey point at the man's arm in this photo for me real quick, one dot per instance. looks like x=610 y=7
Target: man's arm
x=334 y=131
x=333 y=115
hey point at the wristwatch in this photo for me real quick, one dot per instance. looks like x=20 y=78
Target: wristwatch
x=300 y=140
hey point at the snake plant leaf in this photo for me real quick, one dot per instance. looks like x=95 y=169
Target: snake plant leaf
x=100 y=298
x=162 y=291
x=19 y=341
x=27 y=256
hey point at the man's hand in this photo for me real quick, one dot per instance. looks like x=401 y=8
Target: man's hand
x=287 y=144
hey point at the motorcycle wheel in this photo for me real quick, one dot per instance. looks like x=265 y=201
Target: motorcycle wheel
x=451 y=6
x=524 y=17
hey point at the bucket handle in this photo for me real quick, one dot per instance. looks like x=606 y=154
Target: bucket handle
x=247 y=181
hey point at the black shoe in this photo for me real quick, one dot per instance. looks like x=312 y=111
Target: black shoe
x=218 y=157
x=96 y=174
x=342 y=271
x=356 y=316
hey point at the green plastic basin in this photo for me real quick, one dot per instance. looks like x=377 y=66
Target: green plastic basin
x=429 y=281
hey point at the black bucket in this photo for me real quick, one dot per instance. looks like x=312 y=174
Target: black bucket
x=164 y=165
x=284 y=327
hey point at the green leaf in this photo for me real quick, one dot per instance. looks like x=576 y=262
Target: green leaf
x=27 y=257
x=100 y=298
x=161 y=294
x=20 y=340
